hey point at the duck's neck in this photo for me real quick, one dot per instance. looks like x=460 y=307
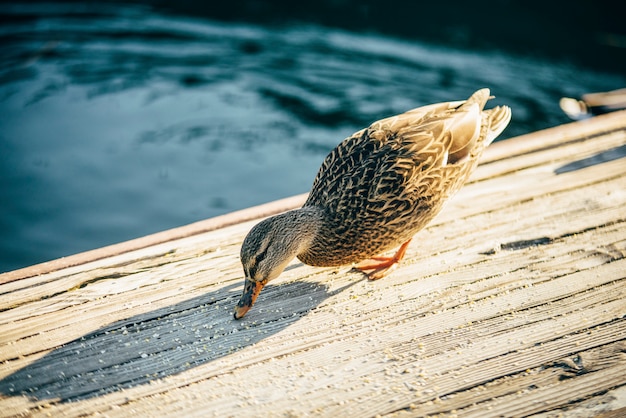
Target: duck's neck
x=301 y=227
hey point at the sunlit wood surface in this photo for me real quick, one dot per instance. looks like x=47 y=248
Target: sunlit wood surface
x=511 y=303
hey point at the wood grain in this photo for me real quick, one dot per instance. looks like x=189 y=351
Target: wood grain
x=511 y=303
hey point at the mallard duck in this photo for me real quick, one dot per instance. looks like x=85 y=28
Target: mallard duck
x=374 y=192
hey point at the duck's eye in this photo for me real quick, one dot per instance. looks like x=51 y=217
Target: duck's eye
x=252 y=271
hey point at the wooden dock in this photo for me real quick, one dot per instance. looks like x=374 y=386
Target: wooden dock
x=511 y=303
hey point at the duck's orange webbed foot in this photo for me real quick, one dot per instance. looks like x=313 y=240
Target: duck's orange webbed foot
x=380 y=266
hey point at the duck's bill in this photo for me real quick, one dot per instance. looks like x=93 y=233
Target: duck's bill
x=251 y=291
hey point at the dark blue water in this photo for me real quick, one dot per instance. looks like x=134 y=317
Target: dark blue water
x=118 y=121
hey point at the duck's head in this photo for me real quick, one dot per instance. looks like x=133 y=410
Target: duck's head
x=267 y=249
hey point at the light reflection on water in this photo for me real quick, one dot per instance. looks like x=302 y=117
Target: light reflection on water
x=116 y=122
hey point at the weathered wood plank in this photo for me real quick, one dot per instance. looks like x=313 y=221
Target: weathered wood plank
x=510 y=303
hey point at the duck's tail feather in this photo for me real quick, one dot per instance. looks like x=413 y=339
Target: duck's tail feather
x=498 y=119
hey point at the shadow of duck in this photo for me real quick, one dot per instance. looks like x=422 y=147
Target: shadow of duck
x=162 y=343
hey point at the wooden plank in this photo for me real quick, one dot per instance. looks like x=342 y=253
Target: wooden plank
x=509 y=304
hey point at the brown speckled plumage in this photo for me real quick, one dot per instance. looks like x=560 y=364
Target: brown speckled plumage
x=375 y=190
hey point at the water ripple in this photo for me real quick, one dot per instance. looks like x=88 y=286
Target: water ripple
x=118 y=121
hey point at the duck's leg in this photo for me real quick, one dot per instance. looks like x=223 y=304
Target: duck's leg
x=380 y=266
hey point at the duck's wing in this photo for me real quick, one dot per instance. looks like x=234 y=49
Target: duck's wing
x=379 y=161
x=398 y=161
x=357 y=151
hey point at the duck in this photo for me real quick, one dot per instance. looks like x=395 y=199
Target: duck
x=374 y=192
